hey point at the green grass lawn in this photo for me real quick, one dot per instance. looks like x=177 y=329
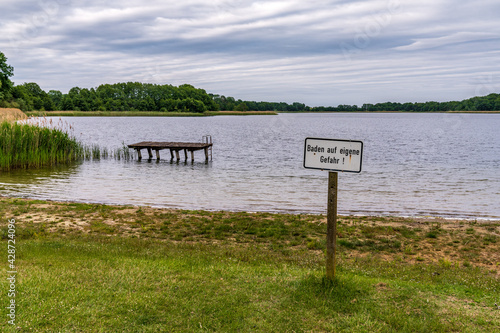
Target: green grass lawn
x=96 y=268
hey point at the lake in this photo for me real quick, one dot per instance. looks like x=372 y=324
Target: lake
x=413 y=165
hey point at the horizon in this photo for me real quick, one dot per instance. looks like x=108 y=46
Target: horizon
x=260 y=101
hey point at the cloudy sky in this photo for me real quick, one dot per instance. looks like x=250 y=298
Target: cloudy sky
x=316 y=52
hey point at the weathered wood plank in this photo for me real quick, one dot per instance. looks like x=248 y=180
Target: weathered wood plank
x=170 y=145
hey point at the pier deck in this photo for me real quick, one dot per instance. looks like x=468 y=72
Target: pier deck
x=174 y=147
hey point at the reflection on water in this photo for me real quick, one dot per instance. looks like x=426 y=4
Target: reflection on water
x=25 y=182
x=413 y=164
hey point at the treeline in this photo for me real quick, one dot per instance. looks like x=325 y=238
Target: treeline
x=130 y=96
x=484 y=103
x=490 y=102
x=230 y=104
x=136 y=96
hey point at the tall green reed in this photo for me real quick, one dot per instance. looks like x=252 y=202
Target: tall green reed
x=31 y=145
x=41 y=142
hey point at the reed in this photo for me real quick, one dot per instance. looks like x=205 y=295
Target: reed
x=35 y=144
x=123 y=153
x=40 y=142
x=95 y=152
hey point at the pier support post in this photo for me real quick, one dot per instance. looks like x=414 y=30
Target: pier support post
x=185 y=155
x=139 y=156
x=192 y=156
x=157 y=154
x=206 y=153
x=177 y=155
x=171 y=154
x=150 y=154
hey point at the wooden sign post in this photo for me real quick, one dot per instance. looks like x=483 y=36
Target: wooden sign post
x=332 y=155
x=331 y=225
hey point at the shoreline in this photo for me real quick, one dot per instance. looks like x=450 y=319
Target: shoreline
x=144 y=113
x=421 y=218
x=418 y=239
x=219 y=113
x=408 y=112
x=417 y=218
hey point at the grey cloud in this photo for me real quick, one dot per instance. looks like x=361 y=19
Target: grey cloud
x=318 y=52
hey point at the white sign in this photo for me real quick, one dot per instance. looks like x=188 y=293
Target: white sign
x=333 y=155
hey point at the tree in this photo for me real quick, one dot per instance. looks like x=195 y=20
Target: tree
x=56 y=96
x=242 y=106
x=6 y=71
x=22 y=97
x=34 y=89
x=29 y=96
x=67 y=103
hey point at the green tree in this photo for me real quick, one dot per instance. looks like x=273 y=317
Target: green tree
x=30 y=96
x=22 y=98
x=67 y=103
x=56 y=96
x=33 y=89
x=242 y=106
x=6 y=72
x=170 y=104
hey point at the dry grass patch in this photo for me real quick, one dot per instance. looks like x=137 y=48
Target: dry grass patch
x=9 y=114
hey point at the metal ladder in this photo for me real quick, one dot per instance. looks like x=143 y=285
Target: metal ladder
x=208 y=139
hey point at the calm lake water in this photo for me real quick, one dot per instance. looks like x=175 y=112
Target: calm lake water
x=413 y=165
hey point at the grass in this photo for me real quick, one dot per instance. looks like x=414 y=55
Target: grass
x=97 y=268
x=142 y=113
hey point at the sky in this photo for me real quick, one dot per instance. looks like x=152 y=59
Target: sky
x=314 y=52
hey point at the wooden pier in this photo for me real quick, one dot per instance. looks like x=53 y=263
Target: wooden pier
x=175 y=147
